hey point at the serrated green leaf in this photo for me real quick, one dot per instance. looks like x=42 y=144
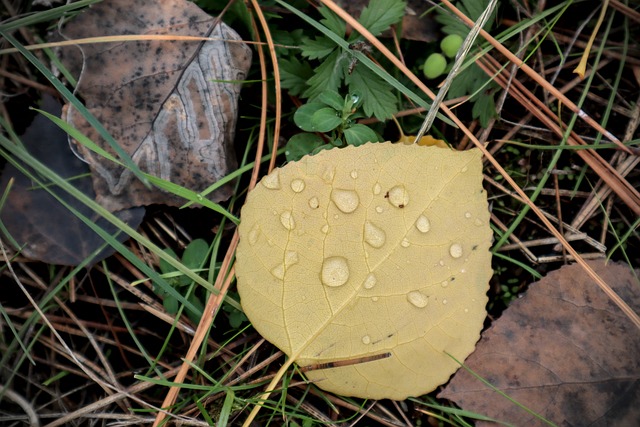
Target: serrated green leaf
x=360 y=134
x=302 y=144
x=294 y=75
x=327 y=76
x=380 y=14
x=303 y=115
x=377 y=98
x=484 y=108
x=332 y=21
x=325 y=120
x=317 y=48
x=332 y=99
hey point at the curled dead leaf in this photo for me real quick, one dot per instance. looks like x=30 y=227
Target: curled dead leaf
x=171 y=105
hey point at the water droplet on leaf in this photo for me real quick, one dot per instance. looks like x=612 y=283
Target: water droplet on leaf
x=286 y=218
x=345 y=200
x=398 y=196
x=272 y=181
x=314 y=203
x=418 y=299
x=455 y=250
x=423 y=224
x=335 y=271
x=254 y=234
x=297 y=185
x=366 y=339
x=370 y=281
x=278 y=271
x=374 y=235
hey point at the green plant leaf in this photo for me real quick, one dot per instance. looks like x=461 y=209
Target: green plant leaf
x=195 y=254
x=294 y=75
x=165 y=267
x=360 y=134
x=332 y=21
x=302 y=144
x=332 y=99
x=484 y=109
x=380 y=14
x=327 y=76
x=317 y=48
x=303 y=115
x=377 y=99
x=325 y=120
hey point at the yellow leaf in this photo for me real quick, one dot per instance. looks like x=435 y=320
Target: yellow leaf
x=374 y=260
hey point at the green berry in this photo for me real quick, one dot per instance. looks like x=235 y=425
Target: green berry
x=451 y=44
x=434 y=66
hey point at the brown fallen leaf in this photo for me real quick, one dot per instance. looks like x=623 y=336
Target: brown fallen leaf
x=43 y=228
x=564 y=351
x=171 y=105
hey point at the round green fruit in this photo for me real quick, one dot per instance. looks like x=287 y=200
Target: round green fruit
x=451 y=44
x=434 y=66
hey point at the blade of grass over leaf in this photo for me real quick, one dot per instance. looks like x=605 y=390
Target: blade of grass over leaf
x=126 y=159
x=18 y=154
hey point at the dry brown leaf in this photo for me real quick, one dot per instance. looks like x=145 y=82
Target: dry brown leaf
x=172 y=105
x=374 y=257
x=41 y=226
x=564 y=350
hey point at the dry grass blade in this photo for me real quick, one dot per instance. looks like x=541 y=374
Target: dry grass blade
x=608 y=173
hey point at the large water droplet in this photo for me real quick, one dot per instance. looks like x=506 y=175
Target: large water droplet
x=314 y=203
x=455 y=250
x=286 y=218
x=290 y=258
x=423 y=224
x=418 y=299
x=254 y=234
x=398 y=196
x=377 y=188
x=366 y=340
x=278 y=271
x=272 y=181
x=297 y=185
x=335 y=271
x=370 y=281
x=346 y=200
x=374 y=235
